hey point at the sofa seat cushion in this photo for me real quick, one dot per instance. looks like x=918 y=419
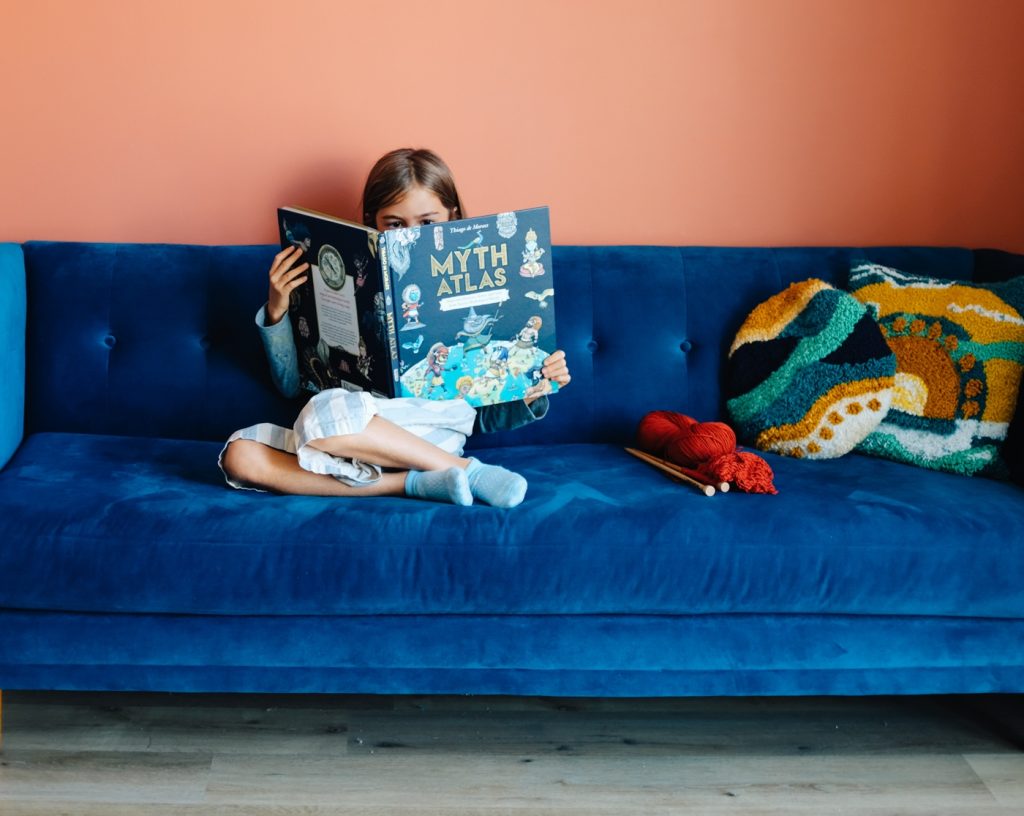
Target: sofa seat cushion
x=119 y=524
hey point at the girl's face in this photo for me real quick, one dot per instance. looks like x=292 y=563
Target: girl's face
x=416 y=208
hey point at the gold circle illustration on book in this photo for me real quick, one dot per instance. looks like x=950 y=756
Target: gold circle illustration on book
x=332 y=267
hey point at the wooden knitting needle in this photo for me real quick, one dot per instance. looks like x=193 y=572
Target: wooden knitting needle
x=693 y=474
x=706 y=489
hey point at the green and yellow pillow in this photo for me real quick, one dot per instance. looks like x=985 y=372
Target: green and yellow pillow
x=959 y=353
x=809 y=374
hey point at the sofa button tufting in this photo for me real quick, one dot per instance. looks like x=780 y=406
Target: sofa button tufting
x=685 y=346
x=204 y=343
x=592 y=346
x=110 y=341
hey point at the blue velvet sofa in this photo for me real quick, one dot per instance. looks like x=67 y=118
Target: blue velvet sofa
x=126 y=563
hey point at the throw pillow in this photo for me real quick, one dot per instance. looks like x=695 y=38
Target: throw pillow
x=810 y=374
x=959 y=349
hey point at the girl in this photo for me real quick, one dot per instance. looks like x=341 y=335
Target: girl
x=352 y=443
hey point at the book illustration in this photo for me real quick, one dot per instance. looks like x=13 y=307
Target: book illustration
x=414 y=344
x=527 y=337
x=541 y=297
x=480 y=369
x=332 y=267
x=380 y=315
x=532 y=253
x=479 y=239
x=297 y=234
x=507 y=224
x=411 y=308
x=399 y=257
x=440 y=316
x=361 y=264
x=474 y=327
x=364 y=362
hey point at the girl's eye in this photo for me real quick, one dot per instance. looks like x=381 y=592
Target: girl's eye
x=427 y=221
x=394 y=224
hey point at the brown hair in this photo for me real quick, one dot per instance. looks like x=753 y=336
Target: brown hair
x=398 y=171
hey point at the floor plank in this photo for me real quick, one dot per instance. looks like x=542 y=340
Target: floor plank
x=103 y=776
x=168 y=728
x=598 y=782
x=1002 y=774
x=324 y=755
x=52 y=808
x=714 y=727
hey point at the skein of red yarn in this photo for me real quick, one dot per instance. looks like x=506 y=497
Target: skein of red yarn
x=706 y=447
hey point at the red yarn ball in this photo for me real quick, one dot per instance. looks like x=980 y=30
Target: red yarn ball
x=658 y=428
x=700 y=442
x=706 y=449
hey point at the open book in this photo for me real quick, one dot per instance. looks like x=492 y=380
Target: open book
x=457 y=310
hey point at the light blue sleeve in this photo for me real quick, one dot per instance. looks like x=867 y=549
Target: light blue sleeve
x=279 y=344
x=507 y=416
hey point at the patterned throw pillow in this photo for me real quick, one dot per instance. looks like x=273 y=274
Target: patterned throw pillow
x=810 y=374
x=959 y=349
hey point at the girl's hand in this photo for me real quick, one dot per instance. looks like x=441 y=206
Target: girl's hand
x=284 y=276
x=556 y=368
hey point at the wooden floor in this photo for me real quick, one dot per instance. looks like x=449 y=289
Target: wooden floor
x=172 y=755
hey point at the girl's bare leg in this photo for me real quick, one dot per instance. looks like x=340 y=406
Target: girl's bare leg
x=385 y=444
x=388 y=445
x=262 y=466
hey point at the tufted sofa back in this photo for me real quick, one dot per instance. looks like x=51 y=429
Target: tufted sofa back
x=158 y=340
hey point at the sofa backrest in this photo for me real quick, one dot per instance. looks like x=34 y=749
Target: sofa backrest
x=147 y=339
x=159 y=340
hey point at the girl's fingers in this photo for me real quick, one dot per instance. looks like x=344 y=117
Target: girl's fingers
x=286 y=252
x=281 y=256
x=284 y=259
x=289 y=275
x=555 y=368
x=554 y=357
x=286 y=273
x=558 y=373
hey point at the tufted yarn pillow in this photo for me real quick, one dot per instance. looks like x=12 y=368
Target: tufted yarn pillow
x=959 y=350
x=810 y=374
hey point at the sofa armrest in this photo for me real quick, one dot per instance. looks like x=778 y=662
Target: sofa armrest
x=13 y=305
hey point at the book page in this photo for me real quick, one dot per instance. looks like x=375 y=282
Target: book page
x=336 y=312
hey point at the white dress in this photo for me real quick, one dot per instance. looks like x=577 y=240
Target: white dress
x=337 y=412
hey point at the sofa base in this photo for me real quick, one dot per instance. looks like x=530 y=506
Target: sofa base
x=586 y=656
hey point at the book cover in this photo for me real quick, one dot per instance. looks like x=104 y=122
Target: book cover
x=456 y=310
x=339 y=315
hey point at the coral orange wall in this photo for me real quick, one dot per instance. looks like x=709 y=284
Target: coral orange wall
x=737 y=122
